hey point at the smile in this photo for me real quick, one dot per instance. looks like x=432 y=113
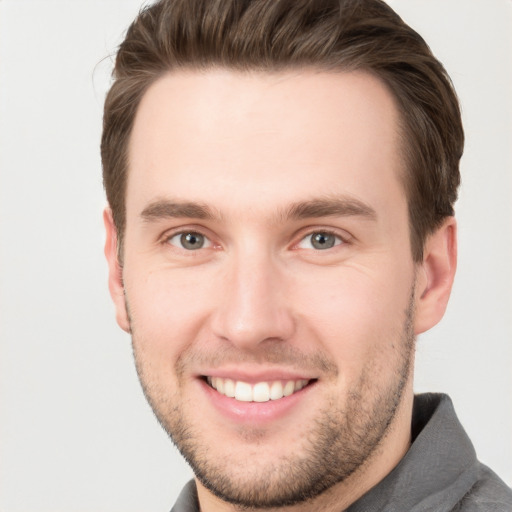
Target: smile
x=258 y=392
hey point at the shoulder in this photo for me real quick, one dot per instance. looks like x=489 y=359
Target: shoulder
x=488 y=494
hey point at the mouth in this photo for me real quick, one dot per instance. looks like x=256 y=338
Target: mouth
x=258 y=392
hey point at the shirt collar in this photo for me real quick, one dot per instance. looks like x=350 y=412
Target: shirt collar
x=440 y=458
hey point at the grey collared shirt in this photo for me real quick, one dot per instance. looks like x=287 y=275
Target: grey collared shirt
x=439 y=473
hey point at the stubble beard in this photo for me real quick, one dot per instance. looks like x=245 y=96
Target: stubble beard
x=341 y=441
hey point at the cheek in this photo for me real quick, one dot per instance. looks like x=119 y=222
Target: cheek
x=355 y=311
x=168 y=309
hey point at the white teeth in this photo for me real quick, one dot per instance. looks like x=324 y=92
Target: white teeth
x=289 y=388
x=259 y=392
x=243 y=391
x=229 y=388
x=276 y=390
x=299 y=384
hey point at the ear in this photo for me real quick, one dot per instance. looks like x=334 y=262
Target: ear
x=435 y=276
x=115 y=271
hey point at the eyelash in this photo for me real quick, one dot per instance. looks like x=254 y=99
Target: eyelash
x=340 y=239
x=169 y=236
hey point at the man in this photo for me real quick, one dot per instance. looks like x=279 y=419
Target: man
x=281 y=179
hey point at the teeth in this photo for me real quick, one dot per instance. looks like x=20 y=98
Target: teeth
x=276 y=390
x=289 y=388
x=243 y=392
x=229 y=388
x=260 y=392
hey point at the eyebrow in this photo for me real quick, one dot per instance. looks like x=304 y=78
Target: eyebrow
x=165 y=209
x=313 y=208
x=330 y=207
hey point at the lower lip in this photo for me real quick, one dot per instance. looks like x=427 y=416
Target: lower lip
x=255 y=412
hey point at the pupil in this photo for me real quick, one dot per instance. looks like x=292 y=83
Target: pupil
x=192 y=240
x=322 y=241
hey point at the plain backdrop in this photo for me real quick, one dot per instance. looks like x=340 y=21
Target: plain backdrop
x=75 y=431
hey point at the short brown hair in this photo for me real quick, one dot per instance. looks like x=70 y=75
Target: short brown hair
x=277 y=35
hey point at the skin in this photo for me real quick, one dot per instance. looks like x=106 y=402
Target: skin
x=231 y=156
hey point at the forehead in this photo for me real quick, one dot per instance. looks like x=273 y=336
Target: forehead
x=238 y=139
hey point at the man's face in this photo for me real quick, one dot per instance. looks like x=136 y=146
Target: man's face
x=267 y=254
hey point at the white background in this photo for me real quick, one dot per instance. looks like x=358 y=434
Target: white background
x=76 y=433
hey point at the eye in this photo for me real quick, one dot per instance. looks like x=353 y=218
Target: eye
x=320 y=240
x=190 y=240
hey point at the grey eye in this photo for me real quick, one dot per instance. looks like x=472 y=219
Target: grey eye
x=320 y=240
x=190 y=241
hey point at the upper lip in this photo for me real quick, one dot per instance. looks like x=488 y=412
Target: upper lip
x=254 y=376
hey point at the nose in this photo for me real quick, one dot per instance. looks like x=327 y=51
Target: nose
x=253 y=304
